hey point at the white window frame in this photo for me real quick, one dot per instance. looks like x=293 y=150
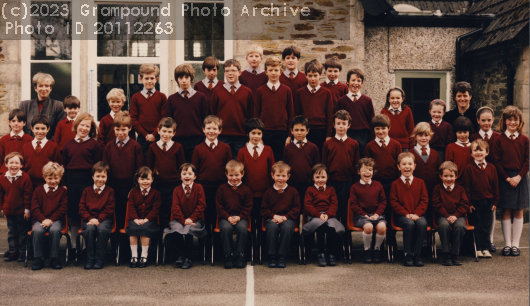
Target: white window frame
x=445 y=95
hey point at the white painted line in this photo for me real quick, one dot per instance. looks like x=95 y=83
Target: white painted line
x=250 y=286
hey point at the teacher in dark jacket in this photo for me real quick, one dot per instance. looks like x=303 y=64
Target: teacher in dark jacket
x=462 y=94
x=43 y=84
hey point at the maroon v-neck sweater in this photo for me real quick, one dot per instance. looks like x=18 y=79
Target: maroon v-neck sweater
x=188 y=113
x=257 y=171
x=147 y=113
x=234 y=109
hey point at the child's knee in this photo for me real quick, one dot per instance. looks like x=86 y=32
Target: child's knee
x=368 y=228
x=381 y=228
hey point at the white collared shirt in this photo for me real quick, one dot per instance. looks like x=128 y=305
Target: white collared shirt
x=239 y=184
x=86 y=138
x=365 y=183
x=392 y=110
x=42 y=143
x=258 y=70
x=184 y=186
x=343 y=138
x=483 y=134
x=250 y=148
x=147 y=191
x=462 y=144
x=287 y=73
x=206 y=82
x=317 y=187
x=403 y=178
x=228 y=86
x=311 y=88
x=113 y=114
x=439 y=122
x=452 y=186
x=125 y=141
x=70 y=119
x=21 y=134
x=418 y=148
x=144 y=92
x=215 y=143
x=276 y=86
x=295 y=142
x=351 y=95
x=516 y=134
x=329 y=82
x=169 y=144
x=482 y=162
x=386 y=139
x=8 y=174
x=47 y=188
x=190 y=90
x=100 y=188
x=276 y=188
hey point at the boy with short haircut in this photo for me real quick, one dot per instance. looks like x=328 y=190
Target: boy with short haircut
x=360 y=107
x=124 y=157
x=340 y=155
x=450 y=204
x=48 y=207
x=427 y=159
x=482 y=189
x=442 y=130
x=164 y=157
x=274 y=107
x=209 y=158
x=458 y=151
x=234 y=203
x=14 y=141
x=301 y=155
x=15 y=204
x=291 y=76
x=409 y=200
x=188 y=108
x=147 y=107
x=97 y=212
x=234 y=104
x=280 y=209
x=210 y=66
x=254 y=77
x=64 y=130
x=333 y=68
x=116 y=98
x=316 y=103
x=40 y=150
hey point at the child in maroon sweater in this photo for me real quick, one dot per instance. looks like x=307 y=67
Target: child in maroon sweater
x=368 y=203
x=40 y=150
x=458 y=152
x=320 y=209
x=188 y=108
x=124 y=157
x=234 y=203
x=291 y=76
x=400 y=116
x=14 y=141
x=482 y=189
x=340 y=155
x=116 y=98
x=254 y=77
x=333 y=67
x=210 y=67
x=143 y=205
x=234 y=104
x=15 y=204
x=450 y=204
x=48 y=207
x=280 y=209
x=409 y=200
x=165 y=157
x=315 y=102
x=274 y=107
x=64 y=130
x=147 y=107
x=442 y=130
x=427 y=159
x=360 y=107
x=96 y=208
x=210 y=158
x=187 y=213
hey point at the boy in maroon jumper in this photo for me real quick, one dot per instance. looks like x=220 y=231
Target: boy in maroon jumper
x=97 y=212
x=254 y=77
x=40 y=150
x=147 y=107
x=442 y=130
x=274 y=107
x=64 y=130
x=234 y=203
x=15 y=204
x=481 y=183
x=165 y=157
x=234 y=104
x=48 y=207
x=291 y=76
x=14 y=141
x=210 y=67
x=360 y=107
x=316 y=103
x=450 y=204
x=333 y=67
x=409 y=200
x=188 y=108
x=301 y=155
x=340 y=155
x=280 y=209
x=124 y=157
x=427 y=159
x=209 y=158
x=458 y=152
x=116 y=98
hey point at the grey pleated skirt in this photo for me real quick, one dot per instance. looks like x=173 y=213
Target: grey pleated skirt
x=198 y=230
x=513 y=198
x=314 y=223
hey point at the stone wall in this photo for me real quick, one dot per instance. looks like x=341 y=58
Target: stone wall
x=522 y=85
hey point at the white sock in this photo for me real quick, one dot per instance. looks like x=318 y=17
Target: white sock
x=378 y=241
x=134 y=250
x=493 y=226
x=507 y=232
x=517 y=230
x=144 y=251
x=73 y=231
x=367 y=238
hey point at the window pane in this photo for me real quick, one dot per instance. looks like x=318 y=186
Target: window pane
x=57 y=45
x=203 y=31
x=61 y=73
x=126 y=77
x=199 y=74
x=420 y=92
x=128 y=35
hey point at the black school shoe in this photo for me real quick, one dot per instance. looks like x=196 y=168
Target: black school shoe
x=54 y=264
x=417 y=261
x=456 y=260
x=515 y=251
x=38 y=264
x=13 y=256
x=492 y=248
x=180 y=261
x=377 y=256
x=506 y=251
x=89 y=264
x=99 y=264
x=134 y=262
x=408 y=261
x=368 y=256
x=229 y=261
x=272 y=262
x=22 y=257
x=322 y=260
x=240 y=261
x=187 y=264
x=6 y=254
x=142 y=263
x=332 y=261
x=447 y=260
x=281 y=262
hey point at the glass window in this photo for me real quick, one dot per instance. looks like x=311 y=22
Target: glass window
x=61 y=73
x=203 y=31
x=57 y=45
x=199 y=74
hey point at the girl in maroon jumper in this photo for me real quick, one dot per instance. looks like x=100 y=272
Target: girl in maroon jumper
x=13 y=141
x=510 y=152
x=400 y=117
x=144 y=205
x=458 y=152
x=187 y=213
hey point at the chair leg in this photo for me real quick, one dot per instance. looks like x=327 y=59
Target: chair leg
x=157 y=250
x=300 y=249
x=78 y=247
x=475 y=246
x=350 y=246
x=344 y=248
x=211 y=242
x=28 y=244
x=251 y=249
x=304 y=249
x=259 y=245
x=387 y=249
x=118 y=251
x=164 y=246
x=68 y=247
x=391 y=245
x=204 y=251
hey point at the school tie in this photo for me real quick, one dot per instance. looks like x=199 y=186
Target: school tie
x=212 y=145
x=210 y=85
x=144 y=192
x=188 y=191
x=383 y=145
x=407 y=182
x=120 y=144
x=449 y=189
x=185 y=94
x=437 y=124
x=320 y=188
x=395 y=112
x=233 y=90
x=423 y=151
x=234 y=187
x=50 y=190
x=511 y=137
x=331 y=83
x=300 y=144
x=466 y=144
x=254 y=72
x=280 y=191
x=481 y=166
x=486 y=137
x=97 y=191
x=149 y=94
x=80 y=140
x=164 y=147
x=312 y=90
x=273 y=88
x=354 y=98
x=291 y=75
x=38 y=148
x=255 y=155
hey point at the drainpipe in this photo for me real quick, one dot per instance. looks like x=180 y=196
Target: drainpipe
x=458 y=52
x=510 y=77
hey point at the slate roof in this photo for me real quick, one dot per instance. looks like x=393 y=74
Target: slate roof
x=445 y=7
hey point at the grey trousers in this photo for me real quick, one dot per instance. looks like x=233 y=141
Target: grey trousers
x=96 y=239
x=55 y=238
x=279 y=245
x=453 y=237
x=413 y=234
x=241 y=229
x=17 y=233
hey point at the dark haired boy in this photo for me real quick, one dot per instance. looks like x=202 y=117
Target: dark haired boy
x=333 y=68
x=64 y=130
x=291 y=76
x=210 y=66
x=14 y=141
x=458 y=152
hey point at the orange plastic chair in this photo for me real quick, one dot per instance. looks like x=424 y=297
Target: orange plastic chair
x=218 y=231
x=469 y=228
x=296 y=230
x=78 y=242
x=64 y=232
x=396 y=228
